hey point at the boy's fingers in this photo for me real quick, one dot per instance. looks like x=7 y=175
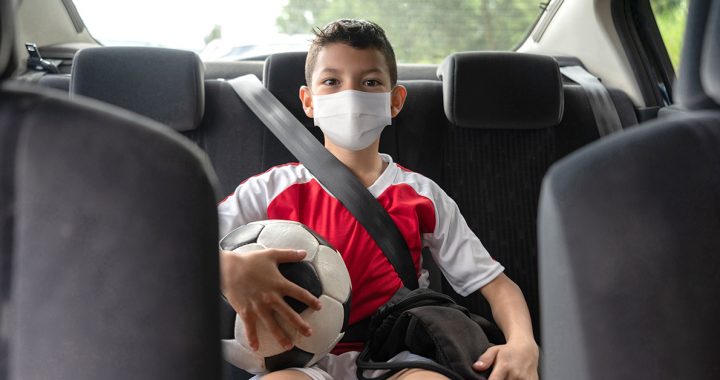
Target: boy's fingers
x=249 y=320
x=284 y=310
x=487 y=359
x=498 y=373
x=288 y=255
x=277 y=332
x=295 y=291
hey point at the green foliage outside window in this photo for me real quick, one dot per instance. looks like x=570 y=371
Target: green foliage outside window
x=670 y=16
x=423 y=31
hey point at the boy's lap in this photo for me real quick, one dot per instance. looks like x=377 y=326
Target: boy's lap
x=417 y=374
x=341 y=367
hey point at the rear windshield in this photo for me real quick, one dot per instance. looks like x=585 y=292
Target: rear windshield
x=421 y=31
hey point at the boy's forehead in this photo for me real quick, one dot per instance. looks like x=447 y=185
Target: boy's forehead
x=339 y=57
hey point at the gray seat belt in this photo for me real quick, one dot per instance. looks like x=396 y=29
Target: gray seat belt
x=603 y=108
x=330 y=172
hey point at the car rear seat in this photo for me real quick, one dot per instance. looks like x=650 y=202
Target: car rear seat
x=511 y=119
x=493 y=170
x=230 y=134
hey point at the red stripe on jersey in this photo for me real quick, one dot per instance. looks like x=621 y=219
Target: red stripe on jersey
x=374 y=280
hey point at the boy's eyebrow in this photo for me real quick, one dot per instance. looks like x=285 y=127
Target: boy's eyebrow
x=373 y=71
x=330 y=70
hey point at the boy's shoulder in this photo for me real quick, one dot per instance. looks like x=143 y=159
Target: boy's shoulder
x=420 y=184
x=290 y=169
x=278 y=177
x=411 y=177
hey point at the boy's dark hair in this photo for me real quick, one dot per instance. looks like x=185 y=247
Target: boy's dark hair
x=359 y=34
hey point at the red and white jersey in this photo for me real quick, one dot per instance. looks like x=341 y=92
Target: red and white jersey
x=425 y=215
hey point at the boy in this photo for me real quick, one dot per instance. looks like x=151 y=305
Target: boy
x=351 y=69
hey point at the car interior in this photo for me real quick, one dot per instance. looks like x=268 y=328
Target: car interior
x=600 y=197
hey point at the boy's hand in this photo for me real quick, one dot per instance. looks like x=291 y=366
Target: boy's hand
x=514 y=360
x=253 y=285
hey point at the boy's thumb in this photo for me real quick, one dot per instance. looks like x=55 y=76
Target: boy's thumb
x=487 y=359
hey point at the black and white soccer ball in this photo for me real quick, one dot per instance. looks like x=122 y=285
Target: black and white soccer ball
x=322 y=272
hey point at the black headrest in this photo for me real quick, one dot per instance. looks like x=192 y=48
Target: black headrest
x=689 y=92
x=166 y=85
x=710 y=66
x=495 y=90
x=283 y=75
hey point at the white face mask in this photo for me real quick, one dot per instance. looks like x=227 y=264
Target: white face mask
x=352 y=119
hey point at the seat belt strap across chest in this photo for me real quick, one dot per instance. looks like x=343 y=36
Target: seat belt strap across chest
x=330 y=172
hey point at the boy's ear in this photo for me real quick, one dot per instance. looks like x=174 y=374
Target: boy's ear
x=397 y=99
x=306 y=100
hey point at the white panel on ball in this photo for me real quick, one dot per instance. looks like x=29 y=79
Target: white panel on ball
x=333 y=274
x=289 y=235
x=322 y=354
x=241 y=356
x=268 y=346
x=249 y=248
x=327 y=326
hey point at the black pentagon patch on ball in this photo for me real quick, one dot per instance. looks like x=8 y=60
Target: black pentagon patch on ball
x=304 y=275
x=288 y=359
x=241 y=236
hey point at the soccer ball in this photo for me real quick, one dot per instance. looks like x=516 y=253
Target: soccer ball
x=322 y=272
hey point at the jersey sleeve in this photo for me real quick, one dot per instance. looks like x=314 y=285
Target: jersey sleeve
x=460 y=255
x=248 y=203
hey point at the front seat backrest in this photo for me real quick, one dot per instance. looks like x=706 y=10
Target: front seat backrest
x=115 y=249
x=108 y=222
x=629 y=235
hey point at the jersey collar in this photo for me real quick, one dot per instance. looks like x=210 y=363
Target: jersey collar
x=386 y=178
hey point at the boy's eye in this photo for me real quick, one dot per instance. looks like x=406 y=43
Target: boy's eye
x=330 y=82
x=371 y=83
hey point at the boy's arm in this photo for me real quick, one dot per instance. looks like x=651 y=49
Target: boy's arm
x=252 y=282
x=518 y=358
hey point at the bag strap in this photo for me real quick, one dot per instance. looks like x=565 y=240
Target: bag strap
x=330 y=172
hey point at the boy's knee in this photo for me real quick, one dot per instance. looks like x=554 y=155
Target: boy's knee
x=286 y=374
x=417 y=374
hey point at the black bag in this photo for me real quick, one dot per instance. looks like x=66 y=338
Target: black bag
x=429 y=324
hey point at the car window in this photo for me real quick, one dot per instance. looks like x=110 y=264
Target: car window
x=670 y=16
x=420 y=31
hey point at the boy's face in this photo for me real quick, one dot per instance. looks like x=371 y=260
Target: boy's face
x=340 y=67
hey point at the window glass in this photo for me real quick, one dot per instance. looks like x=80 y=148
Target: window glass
x=670 y=16
x=421 y=31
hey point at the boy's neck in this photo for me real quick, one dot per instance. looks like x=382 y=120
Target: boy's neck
x=366 y=164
